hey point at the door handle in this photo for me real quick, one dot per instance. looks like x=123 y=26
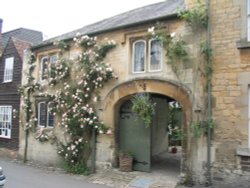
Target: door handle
x=141 y=162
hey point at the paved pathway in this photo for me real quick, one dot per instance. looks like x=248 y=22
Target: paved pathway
x=21 y=175
x=29 y=175
x=244 y=184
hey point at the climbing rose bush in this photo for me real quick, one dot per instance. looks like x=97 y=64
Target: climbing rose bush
x=74 y=85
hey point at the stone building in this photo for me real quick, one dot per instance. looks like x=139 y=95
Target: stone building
x=215 y=128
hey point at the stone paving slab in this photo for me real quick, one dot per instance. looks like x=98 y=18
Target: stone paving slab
x=235 y=184
x=135 y=179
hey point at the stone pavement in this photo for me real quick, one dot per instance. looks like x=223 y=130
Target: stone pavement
x=118 y=179
x=134 y=179
x=242 y=184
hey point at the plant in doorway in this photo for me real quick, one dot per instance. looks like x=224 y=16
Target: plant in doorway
x=143 y=106
x=175 y=136
x=125 y=161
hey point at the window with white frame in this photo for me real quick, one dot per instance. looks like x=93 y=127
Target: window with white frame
x=139 y=56
x=50 y=116
x=5 y=121
x=46 y=62
x=8 y=69
x=45 y=116
x=248 y=116
x=248 y=20
x=147 y=56
x=155 y=55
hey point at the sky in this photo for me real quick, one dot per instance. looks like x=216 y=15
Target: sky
x=56 y=17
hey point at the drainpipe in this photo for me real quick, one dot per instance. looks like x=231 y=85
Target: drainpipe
x=209 y=179
x=26 y=132
x=93 y=153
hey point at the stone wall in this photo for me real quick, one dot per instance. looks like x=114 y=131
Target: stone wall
x=230 y=83
x=187 y=88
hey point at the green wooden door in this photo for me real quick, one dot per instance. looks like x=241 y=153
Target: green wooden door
x=134 y=137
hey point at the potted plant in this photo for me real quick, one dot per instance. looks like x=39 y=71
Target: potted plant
x=125 y=161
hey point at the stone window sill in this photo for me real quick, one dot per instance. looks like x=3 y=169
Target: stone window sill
x=243 y=44
x=243 y=152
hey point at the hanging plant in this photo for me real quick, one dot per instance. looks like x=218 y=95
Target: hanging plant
x=143 y=106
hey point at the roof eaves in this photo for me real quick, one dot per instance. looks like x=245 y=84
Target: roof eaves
x=174 y=15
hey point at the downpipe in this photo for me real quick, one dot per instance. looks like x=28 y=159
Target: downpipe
x=209 y=178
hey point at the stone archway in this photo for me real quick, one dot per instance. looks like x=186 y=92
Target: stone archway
x=123 y=92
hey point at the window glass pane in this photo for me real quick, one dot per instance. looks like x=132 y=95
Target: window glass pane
x=248 y=7
x=44 y=66
x=53 y=59
x=155 y=53
x=8 y=69
x=248 y=20
x=50 y=120
x=5 y=121
x=42 y=114
x=139 y=56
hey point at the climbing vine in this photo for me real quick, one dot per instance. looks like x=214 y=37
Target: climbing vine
x=176 y=50
x=196 y=17
x=74 y=85
x=175 y=46
x=200 y=127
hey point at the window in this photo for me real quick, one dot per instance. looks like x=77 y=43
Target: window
x=139 y=56
x=155 y=55
x=140 y=62
x=45 y=63
x=249 y=116
x=248 y=20
x=5 y=121
x=45 y=117
x=8 y=69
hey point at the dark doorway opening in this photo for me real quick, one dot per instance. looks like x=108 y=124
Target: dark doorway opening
x=157 y=148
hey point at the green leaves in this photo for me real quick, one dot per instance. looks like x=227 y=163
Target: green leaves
x=143 y=107
x=196 y=17
x=175 y=46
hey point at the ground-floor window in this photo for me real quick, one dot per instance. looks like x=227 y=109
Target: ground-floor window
x=45 y=117
x=5 y=121
x=248 y=116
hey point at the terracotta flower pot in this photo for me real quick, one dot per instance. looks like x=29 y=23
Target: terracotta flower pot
x=174 y=150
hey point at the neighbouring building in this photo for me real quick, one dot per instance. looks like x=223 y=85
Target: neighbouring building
x=219 y=50
x=13 y=45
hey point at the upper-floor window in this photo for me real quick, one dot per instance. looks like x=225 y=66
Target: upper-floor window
x=147 y=56
x=248 y=20
x=155 y=55
x=5 y=121
x=46 y=62
x=8 y=69
x=139 y=56
x=45 y=116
